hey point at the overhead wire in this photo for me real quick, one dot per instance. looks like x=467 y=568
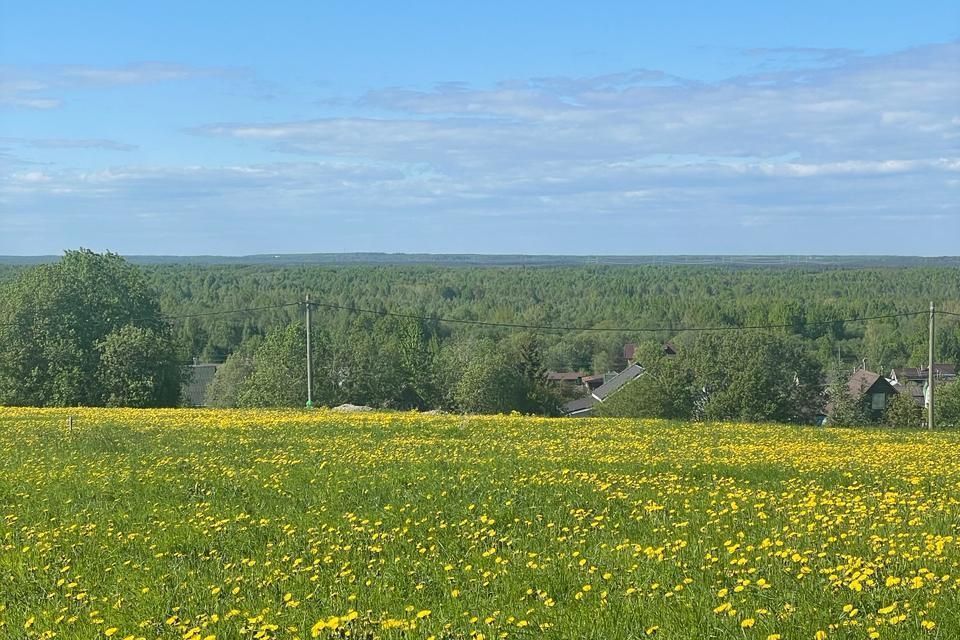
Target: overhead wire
x=535 y=327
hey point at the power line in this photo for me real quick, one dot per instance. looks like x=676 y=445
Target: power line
x=228 y=311
x=514 y=325
x=203 y=314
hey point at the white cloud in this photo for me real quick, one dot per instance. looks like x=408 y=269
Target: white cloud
x=900 y=106
x=69 y=143
x=795 y=158
x=34 y=87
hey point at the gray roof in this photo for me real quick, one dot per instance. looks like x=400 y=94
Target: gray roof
x=194 y=391
x=613 y=385
x=913 y=390
x=580 y=405
x=919 y=374
x=863 y=381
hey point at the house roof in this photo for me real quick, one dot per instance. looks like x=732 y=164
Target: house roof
x=920 y=373
x=863 y=382
x=613 y=385
x=912 y=389
x=194 y=390
x=580 y=405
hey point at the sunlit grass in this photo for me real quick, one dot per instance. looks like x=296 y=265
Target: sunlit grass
x=258 y=524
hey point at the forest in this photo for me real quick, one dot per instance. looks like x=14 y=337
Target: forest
x=626 y=302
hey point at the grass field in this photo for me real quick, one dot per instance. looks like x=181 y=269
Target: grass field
x=214 y=524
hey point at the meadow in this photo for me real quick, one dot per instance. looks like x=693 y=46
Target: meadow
x=202 y=524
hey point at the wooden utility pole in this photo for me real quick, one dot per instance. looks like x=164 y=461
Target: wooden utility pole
x=930 y=413
x=309 y=359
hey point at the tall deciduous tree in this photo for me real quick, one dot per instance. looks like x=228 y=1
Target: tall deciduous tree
x=279 y=374
x=903 y=412
x=948 y=404
x=477 y=377
x=227 y=383
x=845 y=409
x=71 y=331
x=135 y=369
x=756 y=376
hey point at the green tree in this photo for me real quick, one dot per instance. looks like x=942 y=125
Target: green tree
x=477 y=377
x=417 y=352
x=903 y=412
x=947 y=404
x=71 y=331
x=228 y=382
x=532 y=395
x=134 y=370
x=756 y=376
x=279 y=374
x=845 y=409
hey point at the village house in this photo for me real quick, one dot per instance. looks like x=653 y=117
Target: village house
x=941 y=373
x=578 y=380
x=912 y=381
x=584 y=407
x=874 y=389
x=566 y=378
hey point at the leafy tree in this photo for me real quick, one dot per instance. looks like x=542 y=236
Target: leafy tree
x=231 y=376
x=134 y=369
x=845 y=409
x=533 y=395
x=948 y=404
x=477 y=378
x=279 y=374
x=76 y=331
x=903 y=412
x=417 y=353
x=755 y=376
x=367 y=368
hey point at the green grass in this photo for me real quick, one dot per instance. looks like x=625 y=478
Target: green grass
x=174 y=524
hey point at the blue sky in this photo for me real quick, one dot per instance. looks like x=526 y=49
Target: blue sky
x=536 y=127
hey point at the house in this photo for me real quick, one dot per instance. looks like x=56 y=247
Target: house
x=583 y=407
x=915 y=390
x=941 y=372
x=566 y=378
x=198 y=377
x=874 y=388
x=593 y=382
x=571 y=380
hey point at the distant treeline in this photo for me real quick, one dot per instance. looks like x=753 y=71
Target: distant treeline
x=621 y=298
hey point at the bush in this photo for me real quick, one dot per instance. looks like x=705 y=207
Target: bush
x=903 y=412
x=948 y=405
